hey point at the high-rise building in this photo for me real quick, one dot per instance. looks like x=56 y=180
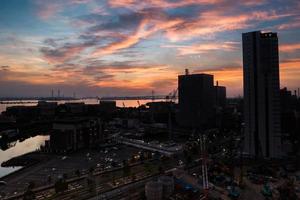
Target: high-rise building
x=220 y=95
x=261 y=94
x=196 y=94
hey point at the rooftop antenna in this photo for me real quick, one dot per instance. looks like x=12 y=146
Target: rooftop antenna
x=187 y=72
x=217 y=94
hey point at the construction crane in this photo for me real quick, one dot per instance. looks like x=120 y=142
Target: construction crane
x=139 y=109
x=171 y=97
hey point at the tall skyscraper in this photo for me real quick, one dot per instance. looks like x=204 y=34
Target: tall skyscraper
x=261 y=94
x=196 y=96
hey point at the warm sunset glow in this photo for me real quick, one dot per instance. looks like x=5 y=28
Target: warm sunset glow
x=131 y=47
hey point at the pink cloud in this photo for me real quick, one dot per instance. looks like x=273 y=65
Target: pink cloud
x=138 y=5
x=211 y=22
x=289 y=47
x=48 y=9
x=290 y=25
x=203 y=48
x=145 y=29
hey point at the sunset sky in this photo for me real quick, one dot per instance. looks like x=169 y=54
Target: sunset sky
x=131 y=47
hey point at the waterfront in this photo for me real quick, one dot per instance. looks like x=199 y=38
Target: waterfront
x=127 y=103
x=33 y=143
x=20 y=148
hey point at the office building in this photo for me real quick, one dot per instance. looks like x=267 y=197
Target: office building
x=261 y=94
x=220 y=95
x=196 y=95
x=70 y=135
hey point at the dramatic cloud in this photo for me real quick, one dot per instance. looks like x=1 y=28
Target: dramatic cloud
x=145 y=29
x=137 y=5
x=210 y=23
x=134 y=46
x=54 y=54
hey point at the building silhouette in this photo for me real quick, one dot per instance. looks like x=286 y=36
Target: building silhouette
x=220 y=95
x=196 y=95
x=261 y=94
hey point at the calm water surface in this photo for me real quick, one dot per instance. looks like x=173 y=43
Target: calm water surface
x=20 y=148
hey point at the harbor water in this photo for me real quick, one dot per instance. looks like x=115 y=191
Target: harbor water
x=18 y=148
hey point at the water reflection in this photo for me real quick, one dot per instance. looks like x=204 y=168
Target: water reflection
x=20 y=148
x=10 y=148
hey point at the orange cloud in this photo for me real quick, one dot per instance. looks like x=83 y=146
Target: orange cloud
x=290 y=73
x=143 y=77
x=289 y=47
x=231 y=77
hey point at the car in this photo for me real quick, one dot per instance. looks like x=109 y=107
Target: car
x=64 y=157
x=108 y=167
x=180 y=162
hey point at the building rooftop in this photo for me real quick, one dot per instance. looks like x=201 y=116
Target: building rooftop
x=196 y=75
